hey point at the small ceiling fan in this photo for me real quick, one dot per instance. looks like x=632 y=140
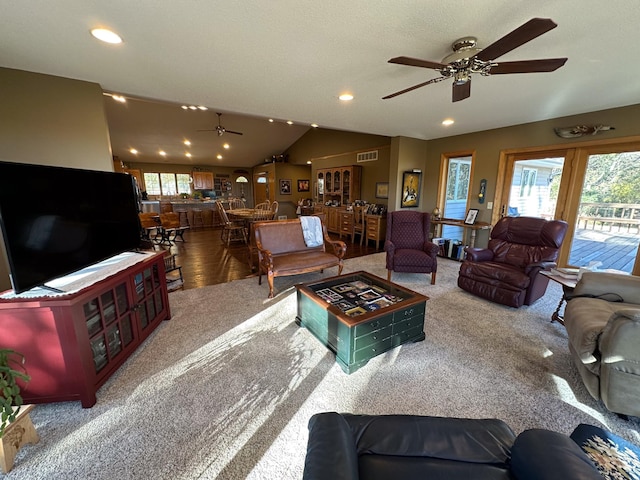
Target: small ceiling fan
x=220 y=129
x=468 y=59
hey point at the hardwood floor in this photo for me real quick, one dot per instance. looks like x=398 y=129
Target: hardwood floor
x=205 y=260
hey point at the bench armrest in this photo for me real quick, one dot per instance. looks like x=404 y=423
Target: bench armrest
x=339 y=247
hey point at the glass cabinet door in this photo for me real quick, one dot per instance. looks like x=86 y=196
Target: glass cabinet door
x=109 y=324
x=346 y=186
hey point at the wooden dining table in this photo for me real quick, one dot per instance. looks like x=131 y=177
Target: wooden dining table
x=250 y=216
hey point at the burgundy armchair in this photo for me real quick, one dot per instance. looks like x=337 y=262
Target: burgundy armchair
x=507 y=271
x=407 y=244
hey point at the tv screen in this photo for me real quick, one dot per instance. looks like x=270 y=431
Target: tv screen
x=58 y=220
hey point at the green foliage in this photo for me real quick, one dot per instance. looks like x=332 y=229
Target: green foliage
x=11 y=369
x=612 y=178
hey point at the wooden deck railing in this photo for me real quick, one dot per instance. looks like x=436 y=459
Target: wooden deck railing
x=620 y=215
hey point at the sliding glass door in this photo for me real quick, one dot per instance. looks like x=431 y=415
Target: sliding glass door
x=594 y=187
x=606 y=230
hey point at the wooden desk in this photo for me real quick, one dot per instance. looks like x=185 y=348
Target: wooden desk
x=460 y=223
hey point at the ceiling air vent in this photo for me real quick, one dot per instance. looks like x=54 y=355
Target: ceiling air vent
x=367 y=156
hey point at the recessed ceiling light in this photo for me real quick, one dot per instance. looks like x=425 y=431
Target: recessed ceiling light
x=448 y=121
x=314 y=125
x=163 y=153
x=106 y=35
x=187 y=142
x=289 y=122
x=192 y=107
x=226 y=145
x=219 y=157
x=202 y=107
x=308 y=162
x=184 y=107
x=271 y=120
x=187 y=155
x=345 y=97
x=134 y=151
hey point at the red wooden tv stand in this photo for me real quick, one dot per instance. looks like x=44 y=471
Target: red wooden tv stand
x=74 y=342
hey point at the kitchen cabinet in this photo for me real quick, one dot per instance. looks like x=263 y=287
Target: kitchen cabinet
x=73 y=343
x=202 y=180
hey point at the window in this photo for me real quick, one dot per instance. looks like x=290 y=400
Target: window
x=528 y=181
x=458 y=179
x=167 y=183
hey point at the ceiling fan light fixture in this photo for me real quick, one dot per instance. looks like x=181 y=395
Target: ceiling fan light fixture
x=448 y=121
x=346 y=97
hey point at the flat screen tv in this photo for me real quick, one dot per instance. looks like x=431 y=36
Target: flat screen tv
x=57 y=220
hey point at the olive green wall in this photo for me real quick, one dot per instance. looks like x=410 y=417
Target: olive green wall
x=335 y=148
x=488 y=144
x=49 y=120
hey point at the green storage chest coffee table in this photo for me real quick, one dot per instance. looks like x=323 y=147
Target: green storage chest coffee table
x=360 y=315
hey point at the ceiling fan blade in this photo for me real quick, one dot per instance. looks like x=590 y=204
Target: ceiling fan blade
x=521 y=35
x=528 y=66
x=416 y=62
x=433 y=80
x=461 y=91
x=208 y=130
x=231 y=131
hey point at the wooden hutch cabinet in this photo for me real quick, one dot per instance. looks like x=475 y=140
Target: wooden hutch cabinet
x=340 y=185
x=73 y=343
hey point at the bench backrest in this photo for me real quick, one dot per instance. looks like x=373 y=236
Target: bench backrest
x=282 y=236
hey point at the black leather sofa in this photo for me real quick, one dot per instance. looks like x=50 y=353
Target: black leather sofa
x=407 y=447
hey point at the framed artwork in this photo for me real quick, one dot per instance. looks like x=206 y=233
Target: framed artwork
x=410 y=195
x=382 y=190
x=285 y=187
x=303 y=185
x=472 y=214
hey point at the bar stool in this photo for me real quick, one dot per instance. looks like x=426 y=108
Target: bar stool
x=198 y=221
x=182 y=216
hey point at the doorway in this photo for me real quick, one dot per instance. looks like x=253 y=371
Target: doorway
x=261 y=187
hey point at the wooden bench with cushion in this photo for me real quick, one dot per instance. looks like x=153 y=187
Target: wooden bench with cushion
x=282 y=251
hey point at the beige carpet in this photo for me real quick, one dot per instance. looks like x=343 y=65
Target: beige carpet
x=225 y=389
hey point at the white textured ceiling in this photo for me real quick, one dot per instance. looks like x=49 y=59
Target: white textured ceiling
x=290 y=59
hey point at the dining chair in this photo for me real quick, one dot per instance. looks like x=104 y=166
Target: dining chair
x=359 y=227
x=231 y=231
x=171 y=228
x=274 y=209
x=262 y=206
x=236 y=204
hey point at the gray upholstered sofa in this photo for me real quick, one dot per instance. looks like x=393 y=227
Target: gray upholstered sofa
x=602 y=319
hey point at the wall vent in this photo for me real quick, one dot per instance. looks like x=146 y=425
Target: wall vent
x=367 y=156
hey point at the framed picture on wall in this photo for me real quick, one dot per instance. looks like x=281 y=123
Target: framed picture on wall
x=410 y=194
x=382 y=190
x=303 y=185
x=285 y=187
x=472 y=214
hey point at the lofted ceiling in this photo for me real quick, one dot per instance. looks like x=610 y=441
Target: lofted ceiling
x=289 y=60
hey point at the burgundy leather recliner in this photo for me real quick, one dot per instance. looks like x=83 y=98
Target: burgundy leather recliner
x=507 y=271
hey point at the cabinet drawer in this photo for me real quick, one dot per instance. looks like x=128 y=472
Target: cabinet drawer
x=373 y=350
x=407 y=335
x=366 y=328
x=408 y=324
x=413 y=311
x=373 y=338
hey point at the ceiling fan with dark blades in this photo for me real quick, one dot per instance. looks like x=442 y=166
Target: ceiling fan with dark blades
x=220 y=129
x=468 y=59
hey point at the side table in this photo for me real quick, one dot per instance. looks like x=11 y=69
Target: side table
x=568 y=284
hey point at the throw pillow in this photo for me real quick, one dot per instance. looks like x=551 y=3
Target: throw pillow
x=614 y=457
